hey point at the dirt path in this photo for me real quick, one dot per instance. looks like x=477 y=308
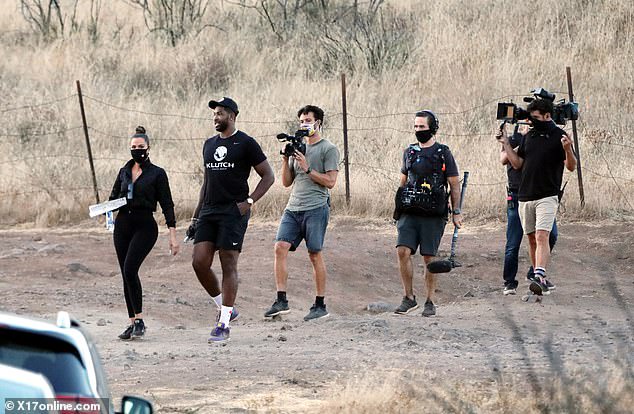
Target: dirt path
x=289 y=365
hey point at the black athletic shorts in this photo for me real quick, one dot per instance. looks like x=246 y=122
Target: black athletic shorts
x=426 y=232
x=224 y=226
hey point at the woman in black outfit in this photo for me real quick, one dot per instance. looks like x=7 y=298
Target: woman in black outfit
x=135 y=231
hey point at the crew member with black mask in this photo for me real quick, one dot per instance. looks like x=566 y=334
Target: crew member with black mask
x=422 y=206
x=143 y=184
x=541 y=156
x=514 y=231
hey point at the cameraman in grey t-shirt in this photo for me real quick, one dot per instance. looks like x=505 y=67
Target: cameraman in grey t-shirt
x=308 y=209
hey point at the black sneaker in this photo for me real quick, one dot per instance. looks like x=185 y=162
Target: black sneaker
x=278 y=308
x=407 y=305
x=538 y=286
x=430 y=308
x=550 y=285
x=139 y=328
x=127 y=334
x=530 y=275
x=316 y=312
x=509 y=290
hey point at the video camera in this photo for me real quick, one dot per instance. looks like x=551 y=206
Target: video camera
x=562 y=110
x=295 y=142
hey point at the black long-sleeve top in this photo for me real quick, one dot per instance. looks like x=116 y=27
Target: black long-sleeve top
x=151 y=186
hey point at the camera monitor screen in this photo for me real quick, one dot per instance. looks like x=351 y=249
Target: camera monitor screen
x=506 y=111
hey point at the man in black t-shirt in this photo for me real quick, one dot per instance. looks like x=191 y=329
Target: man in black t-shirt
x=222 y=215
x=428 y=168
x=514 y=231
x=541 y=156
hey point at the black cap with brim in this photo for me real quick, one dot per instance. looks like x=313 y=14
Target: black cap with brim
x=225 y=103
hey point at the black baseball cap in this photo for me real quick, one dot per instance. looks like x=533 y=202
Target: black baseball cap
x=225 y=103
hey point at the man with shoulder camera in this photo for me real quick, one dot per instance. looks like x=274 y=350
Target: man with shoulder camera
x=306 y=216
x=422 y=206
x=541 y=156
x=222 y=215
x=514 y=231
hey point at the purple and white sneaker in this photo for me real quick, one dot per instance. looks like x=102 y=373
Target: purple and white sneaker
x=219 y=334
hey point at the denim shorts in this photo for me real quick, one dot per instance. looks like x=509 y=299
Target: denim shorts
x=309 y=225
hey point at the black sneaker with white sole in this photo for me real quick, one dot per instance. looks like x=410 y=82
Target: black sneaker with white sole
x=509 y=290
x=429 y=309
x=139 y=328
x=316 y=312
x=407 y=305
x=127 y=334
x=278 y=308
x=550 y=285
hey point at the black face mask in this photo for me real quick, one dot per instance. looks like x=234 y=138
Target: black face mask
x=424 y=136
x=540 y=125
x=139 y=155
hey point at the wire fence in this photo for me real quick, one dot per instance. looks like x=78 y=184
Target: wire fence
x=390 y=175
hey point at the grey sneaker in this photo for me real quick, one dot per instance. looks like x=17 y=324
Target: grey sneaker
x=316 y=312
x=278 y=308
x=407 y=305
x=430 y=308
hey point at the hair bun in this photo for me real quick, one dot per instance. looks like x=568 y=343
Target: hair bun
x=140 y=130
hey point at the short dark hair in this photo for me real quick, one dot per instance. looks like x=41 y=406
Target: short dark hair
x=319 y=113
x=432 y=121
x=544 y=106
x=140 y=132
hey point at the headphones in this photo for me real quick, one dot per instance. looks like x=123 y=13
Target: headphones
x=433 y=124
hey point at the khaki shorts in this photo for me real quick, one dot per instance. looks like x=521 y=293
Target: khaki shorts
x=538 y=214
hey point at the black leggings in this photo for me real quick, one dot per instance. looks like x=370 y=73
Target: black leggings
x=135 y=234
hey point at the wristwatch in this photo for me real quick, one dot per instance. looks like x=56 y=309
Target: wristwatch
x=456 y=211
x=308 y=170
x=250 y=201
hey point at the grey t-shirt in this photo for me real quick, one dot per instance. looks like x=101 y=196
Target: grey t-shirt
x=306 y=195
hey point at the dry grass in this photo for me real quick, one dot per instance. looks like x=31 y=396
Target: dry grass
x=546 y=383
x=464 y=55
x=414 y=391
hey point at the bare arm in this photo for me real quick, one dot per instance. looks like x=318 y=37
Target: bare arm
x=515 y=160
x=288 y=176
x=327 y=179
x=403 y=180
x=503 y=158
x=454 y=185
x=267 y=178
x=571 y=158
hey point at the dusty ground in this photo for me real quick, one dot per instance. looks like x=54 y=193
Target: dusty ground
x=288 y=365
